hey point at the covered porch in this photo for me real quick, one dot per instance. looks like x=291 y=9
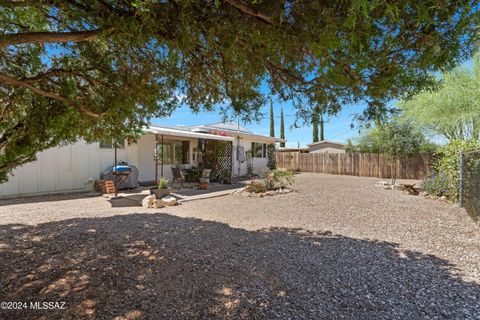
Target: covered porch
x=192 y=152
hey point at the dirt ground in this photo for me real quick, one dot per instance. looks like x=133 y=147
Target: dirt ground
x=337 y=247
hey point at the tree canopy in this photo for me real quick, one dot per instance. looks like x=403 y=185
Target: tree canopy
x=393 y=138
x=453 y=109
x=85 y=68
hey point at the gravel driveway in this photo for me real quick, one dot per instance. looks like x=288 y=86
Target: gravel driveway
x=336 y=248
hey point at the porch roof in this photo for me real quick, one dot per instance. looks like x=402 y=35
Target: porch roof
x=168 y=131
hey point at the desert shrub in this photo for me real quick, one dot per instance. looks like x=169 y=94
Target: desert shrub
x=437 y=184
x=445 y=179
x=256 y=186
x=278 y=179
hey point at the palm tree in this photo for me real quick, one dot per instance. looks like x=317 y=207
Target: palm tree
x=453 y=110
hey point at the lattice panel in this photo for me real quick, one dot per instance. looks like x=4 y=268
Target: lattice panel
x=217 y=155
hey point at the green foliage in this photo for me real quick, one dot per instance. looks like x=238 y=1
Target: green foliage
x=397 y=140
x=163 y=183
x=272 y=161
x=282 y=128
x=394 y=139
x=272 y=120
x=453 y=110
x=256 y=186
x=118 y=64
x=278 y=179
x=437 y=184
x=315 y=127
x=447 y=164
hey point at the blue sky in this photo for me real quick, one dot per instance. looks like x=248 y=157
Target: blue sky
x=337 y=128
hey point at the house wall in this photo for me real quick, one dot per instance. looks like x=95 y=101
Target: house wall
x=74 y=167
x=65 y=168
x=326 y=147
x=328 y=150
x=241 y=168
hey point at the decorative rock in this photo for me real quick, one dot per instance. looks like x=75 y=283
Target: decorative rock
x=159 y=203
x=381 y=184
x=170 y=201
x=149 y=201
x=166 y=201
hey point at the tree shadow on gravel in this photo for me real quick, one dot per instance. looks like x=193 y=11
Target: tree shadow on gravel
x=154 y=266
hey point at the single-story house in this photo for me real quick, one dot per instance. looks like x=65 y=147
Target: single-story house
x=226 y=148
x=326 y=146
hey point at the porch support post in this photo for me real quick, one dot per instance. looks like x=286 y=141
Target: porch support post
x=162 y=155
x=156 y=158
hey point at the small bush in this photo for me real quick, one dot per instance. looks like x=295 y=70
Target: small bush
x=256 y=186
x=437 y=185
x=278 y=179
x=447 y=163
x=163 y=183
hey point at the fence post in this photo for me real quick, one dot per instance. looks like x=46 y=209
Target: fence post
x=462 y=163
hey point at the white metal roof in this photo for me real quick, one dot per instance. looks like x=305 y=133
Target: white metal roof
x=326 y=141
x=184 y=133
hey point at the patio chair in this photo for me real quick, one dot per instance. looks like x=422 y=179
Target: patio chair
x=178 y=177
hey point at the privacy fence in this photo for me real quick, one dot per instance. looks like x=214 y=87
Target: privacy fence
x=470 y=195
x=356 y=164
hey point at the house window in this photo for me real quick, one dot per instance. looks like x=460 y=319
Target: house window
x=182 y=153
x=110 y=144
x=259 y=150
x=173 y=152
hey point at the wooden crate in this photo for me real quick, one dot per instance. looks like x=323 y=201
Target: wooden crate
x=104 y=186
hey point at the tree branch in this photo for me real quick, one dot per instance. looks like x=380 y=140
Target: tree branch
x=82 y=109
x=251 y=11
x=42 y=37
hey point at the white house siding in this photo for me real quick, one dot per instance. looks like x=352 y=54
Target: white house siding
x=66 y=168
x=146 y=160
x=74 y=167
x=328 y=150
x=259 y=164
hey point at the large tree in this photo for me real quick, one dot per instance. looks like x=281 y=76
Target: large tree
x=282 y=128
x=453 y=109
x=85 y=68
x=315 y=127
x=272 y=120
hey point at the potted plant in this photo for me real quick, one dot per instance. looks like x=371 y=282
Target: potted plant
x=162 y=189
x=203 y=184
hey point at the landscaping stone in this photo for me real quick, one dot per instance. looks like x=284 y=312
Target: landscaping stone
x=149 y=201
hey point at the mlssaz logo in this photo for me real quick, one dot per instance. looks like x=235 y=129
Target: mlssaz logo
x=47 y=305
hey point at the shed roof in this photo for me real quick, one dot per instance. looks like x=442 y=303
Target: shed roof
x=339 y=144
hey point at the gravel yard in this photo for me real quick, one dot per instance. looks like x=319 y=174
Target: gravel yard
x=336 y=247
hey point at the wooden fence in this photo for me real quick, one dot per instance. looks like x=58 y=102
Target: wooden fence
x=355 y=164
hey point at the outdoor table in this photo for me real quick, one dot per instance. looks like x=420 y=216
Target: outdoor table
x=120 y=176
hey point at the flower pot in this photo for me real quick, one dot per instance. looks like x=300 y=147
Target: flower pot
x=202 y=185
x=159 y=193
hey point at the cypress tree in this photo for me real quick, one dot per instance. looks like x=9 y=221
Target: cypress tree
x=282 y=129
x=315 y=126
x=272 y=121
x=322 y=132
